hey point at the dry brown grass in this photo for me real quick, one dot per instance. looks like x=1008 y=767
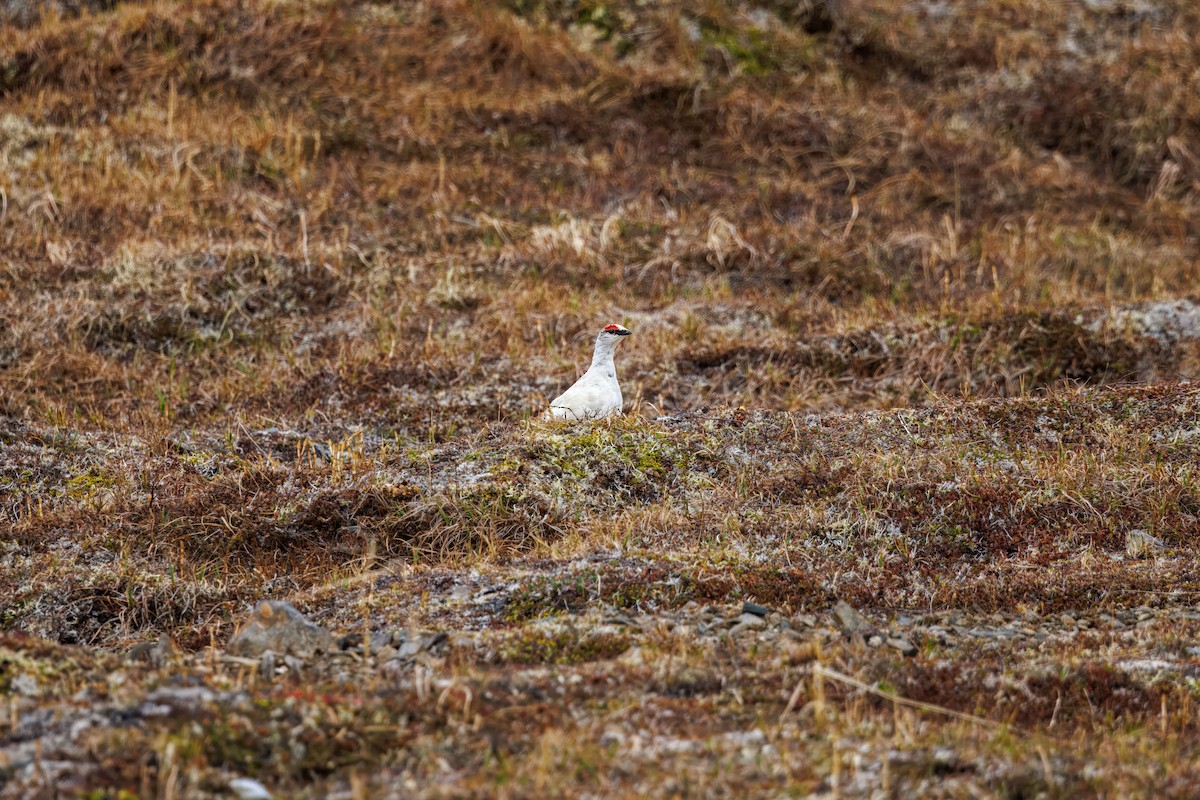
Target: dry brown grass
x=282 y=286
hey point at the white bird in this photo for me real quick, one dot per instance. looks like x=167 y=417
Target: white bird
x=596 y=394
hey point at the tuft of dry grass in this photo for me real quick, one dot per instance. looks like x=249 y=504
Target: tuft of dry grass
x=284 y=286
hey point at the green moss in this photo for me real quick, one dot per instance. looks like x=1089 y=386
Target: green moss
x=16 y=662
x=752 y=50
x=602 y=17
x=88 y=484
x=629 y=457
x=566 y=646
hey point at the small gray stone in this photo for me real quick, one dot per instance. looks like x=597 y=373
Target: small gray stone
x=750 y=620
x=408 y=648
x=990 y=633
x=167 y=700
x=276 y=625
x=850 y=620
x=435 y=643
x=902 y=644
x=380 y=640
x=755 y=609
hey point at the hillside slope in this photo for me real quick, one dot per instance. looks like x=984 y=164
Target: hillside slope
x=905 y=501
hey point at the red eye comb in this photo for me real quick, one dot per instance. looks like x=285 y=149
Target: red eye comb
x=612 y=327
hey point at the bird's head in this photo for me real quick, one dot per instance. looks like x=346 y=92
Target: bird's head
x=616 y=330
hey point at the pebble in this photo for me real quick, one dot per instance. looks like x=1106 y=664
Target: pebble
x=276 y=625
x=746 y=622
x=902 y=644
x=850 y=619
x=755 y=609
x=409 y=648
x=432 y=643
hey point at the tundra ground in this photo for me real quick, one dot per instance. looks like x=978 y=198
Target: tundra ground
x=907 y=494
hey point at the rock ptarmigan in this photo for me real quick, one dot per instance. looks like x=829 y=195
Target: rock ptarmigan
x=597 y=394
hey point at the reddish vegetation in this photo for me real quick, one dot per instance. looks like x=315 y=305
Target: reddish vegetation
x=912 y=292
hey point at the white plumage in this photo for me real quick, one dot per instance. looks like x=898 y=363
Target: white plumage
x=596 y=394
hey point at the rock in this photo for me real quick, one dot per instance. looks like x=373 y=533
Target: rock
x=276 y=625
x=902 y=644
x=249 y=789
x=155 y=653
x=171 y=701
x=755 y=609
x=353 y=642
x=991 y=633
x=875 y=640
x=293 y=663
x=850 y=620
x=747 y=622
x=1139 y=544
x=433 y=643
